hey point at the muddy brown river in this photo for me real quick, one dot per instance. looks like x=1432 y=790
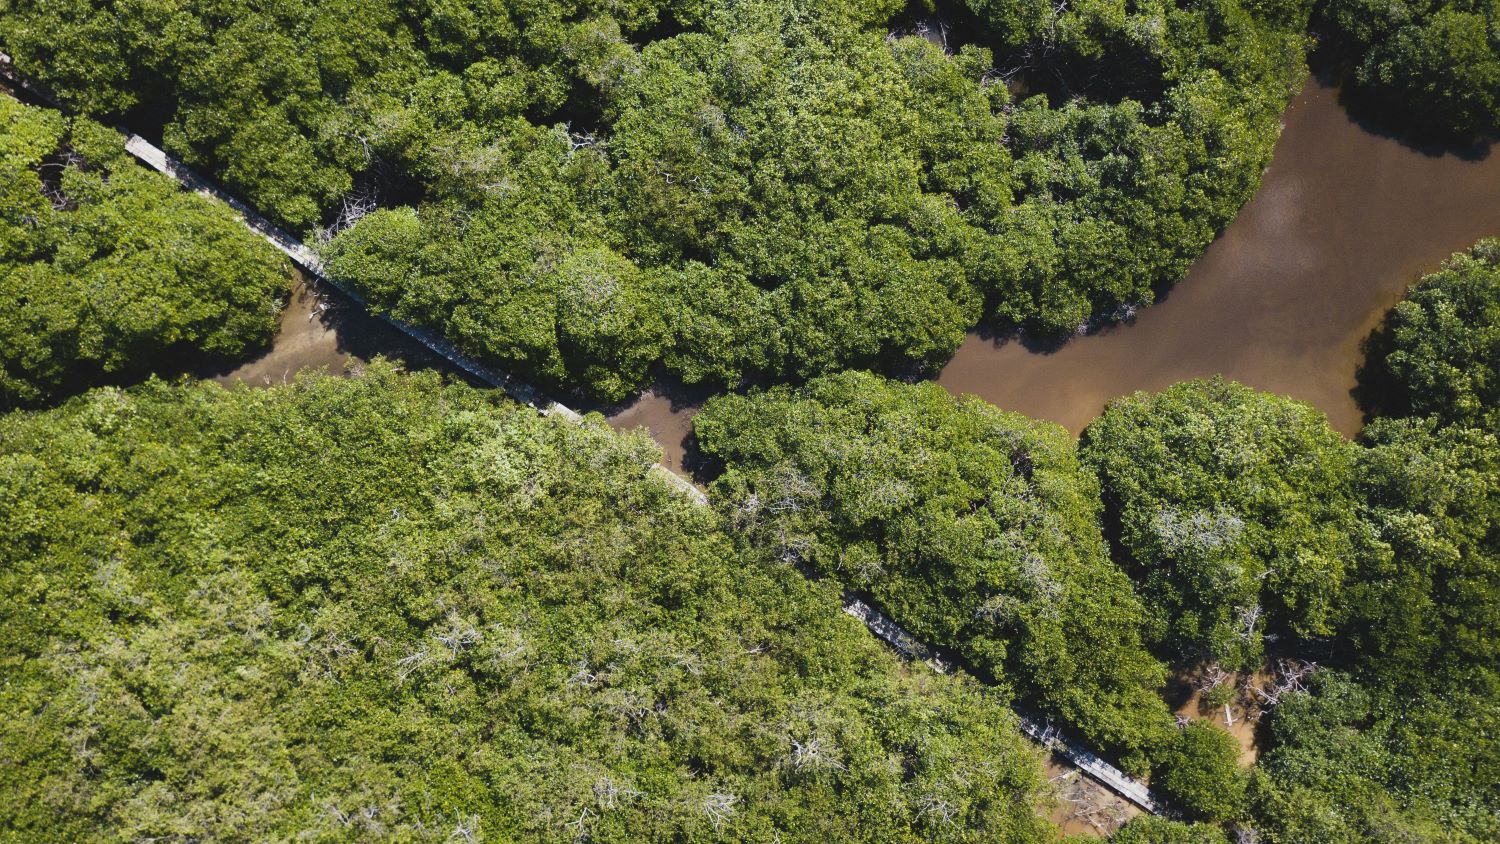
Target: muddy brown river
x=323 y=330
x=1344 y=220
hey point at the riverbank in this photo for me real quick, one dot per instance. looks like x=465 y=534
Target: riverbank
x=1345 y=219
x=323 y=330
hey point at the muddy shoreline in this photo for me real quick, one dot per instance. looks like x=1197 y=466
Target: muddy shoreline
x=1345 y=219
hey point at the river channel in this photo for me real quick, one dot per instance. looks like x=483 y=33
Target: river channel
x=1344 y=220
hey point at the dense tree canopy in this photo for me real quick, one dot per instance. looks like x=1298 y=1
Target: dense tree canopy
x=385 y=606
x=379 y=606
x=107 y=268
x=1386 y=550
x=1431 y=66
x=580 y=190
x=1425 y=609
x=1200 y=774
x=1352 y=763
x=1438 y=352
x=290 y=102
x=974 y=528
x=1154 y=829
x=1235 y=511
x=1399 y=742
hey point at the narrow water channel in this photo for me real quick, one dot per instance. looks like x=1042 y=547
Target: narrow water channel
x=323 y=330
x=1345 y=219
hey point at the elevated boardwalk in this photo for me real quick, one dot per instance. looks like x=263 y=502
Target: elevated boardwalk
x=1039 y=730
x=308 y=260
x=304 y=257
x=884 y=628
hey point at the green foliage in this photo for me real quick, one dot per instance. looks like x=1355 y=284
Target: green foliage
x=1219 y=695
x=1199 y=774
x=291 y=102
x=348 y=609
x=521 y=280
x=975 y=529
x=1235 y=510
x=1427 y=606
x=1154 y=829
x=1438 y=353
x=1350 y=764
x=809 y=176
x=763 y=189
x=1401 y=744
x=1430 y=65
x=107 y=268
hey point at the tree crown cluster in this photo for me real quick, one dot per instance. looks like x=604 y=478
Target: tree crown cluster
x=584 y=191
x=107 y=270
x=1429 y=67
x=1245 y=532
x=380 y=606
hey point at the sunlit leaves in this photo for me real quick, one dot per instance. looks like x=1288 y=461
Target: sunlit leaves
x=382 y=606
x=107 y=267
x=976 y=529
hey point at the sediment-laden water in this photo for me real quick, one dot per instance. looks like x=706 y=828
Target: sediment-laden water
x=1344 y=221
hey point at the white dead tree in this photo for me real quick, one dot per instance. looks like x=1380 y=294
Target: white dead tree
x=1286 y=678
x=465 y=829
x=582 y=676
x=371 y=819
x=1248 y=621
x=999 y=610
x=1198 y=531
x=1040 y=582
x=458 y=635
x=751 y=505
x=793 y=490
x=934 y=806
x=355 y=206
x=410 y=664
x=325 y=652
x=580 y=824
x=52 y=187
x=1211 y=678
x=813 y=754
x=864 y=568
x=608 y=794
x=504 y=645
x=1088 y=802
x=793 y=548
x=719 y=807
x=580 y=140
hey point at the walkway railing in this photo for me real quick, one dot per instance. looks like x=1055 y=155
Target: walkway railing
x=308 y=260
x=157 y=159
x=1039 y=730
x=884 y=628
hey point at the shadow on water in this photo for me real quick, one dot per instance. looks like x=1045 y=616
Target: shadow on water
x=666 y=411
x=317 y=330
x=320 y=329
x=1377 y=391
x=1381 y=118
x=1286 y=297
x=948 y=24
x=999 y=334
